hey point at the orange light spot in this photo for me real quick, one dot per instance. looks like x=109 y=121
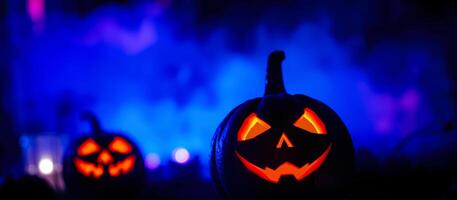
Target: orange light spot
x=124 y=166
x=252 y=127
x=273 y=175
x=88 y=147
x=120 y=145
x=105 y=157
x=284 y=139
x=114 y=171
x=310 y=122
x=88 y=169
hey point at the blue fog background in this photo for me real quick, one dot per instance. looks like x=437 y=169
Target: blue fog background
x=167 y=72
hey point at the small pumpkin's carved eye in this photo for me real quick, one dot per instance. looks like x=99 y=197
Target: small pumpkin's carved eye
x=252 y=127
x=120 y=145
x=88 y=147
x=310 y=122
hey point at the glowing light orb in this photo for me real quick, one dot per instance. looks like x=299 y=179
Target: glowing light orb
x=46 y=166
x=181 y=155
x=152 y=161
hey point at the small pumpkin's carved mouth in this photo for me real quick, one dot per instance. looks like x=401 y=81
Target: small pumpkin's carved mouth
x=287 y=168
x=97 y=169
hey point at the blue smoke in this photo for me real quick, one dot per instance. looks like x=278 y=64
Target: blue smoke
x=166 y=87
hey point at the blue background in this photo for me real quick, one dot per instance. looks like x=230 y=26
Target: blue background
x=167 y=72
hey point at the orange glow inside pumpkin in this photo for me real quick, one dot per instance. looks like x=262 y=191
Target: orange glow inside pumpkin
x=105 y=158
x=273 y=175
x=252 y=127
x=310 y=122
x=124 y=166
x=88 y=169
x=88 y=147
x=120 y=145
x=284 y=139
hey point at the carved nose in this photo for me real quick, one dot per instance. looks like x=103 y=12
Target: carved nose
x=105 y=157
x=284 y=140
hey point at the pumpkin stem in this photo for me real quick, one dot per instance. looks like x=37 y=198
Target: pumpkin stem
x=94 y=123
x=275 y=83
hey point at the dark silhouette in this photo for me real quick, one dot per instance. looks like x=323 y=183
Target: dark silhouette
x=27 y=187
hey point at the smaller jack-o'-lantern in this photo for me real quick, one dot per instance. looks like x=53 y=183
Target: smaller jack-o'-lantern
x=281 y=145
x=103 y=165
x=105 y=158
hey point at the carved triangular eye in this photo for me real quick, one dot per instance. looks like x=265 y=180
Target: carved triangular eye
x=120 y=145
x=252 y=127
x=88 y=147
x=310 y=122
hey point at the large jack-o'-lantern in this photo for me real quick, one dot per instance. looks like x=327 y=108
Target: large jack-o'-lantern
x=281 y=145
x=103 y=165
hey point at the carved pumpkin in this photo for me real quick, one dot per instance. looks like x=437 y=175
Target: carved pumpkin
x=281 y=145
x=103 y=165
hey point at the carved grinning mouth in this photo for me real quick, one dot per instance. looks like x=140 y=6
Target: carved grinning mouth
x=97 y=169
x=287 y=168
